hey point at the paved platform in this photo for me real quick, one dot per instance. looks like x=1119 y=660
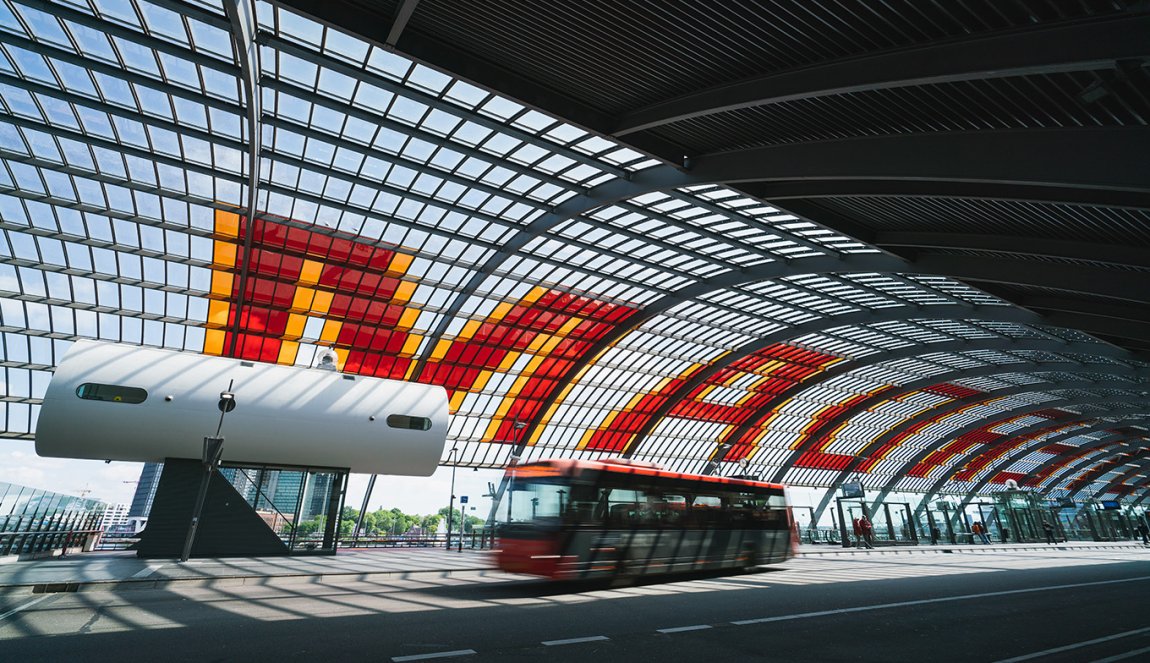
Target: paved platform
x=115 y=571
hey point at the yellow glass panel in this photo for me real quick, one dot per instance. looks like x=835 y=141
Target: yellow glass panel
x=302 y=299
x=404 y=292
x=770 y=367
x=218 y=312
x=480 y=381
x=468 y=331
x=295 y=326
x=411 y=345
x=440 y=350
x=224 y=254
x=399 y=264
x=509 y=361
x=227 y=223
x=288 y=352
x=584 y=439
x=322 y=302
x=534 y=295
x=214 y=342
x=408 y=319
x=529 y=370
x=537 y=344
x=330 y=331
x=505 y=404
x=501 y=310
x=456 y=400
x=310 y=272
x=222 y=283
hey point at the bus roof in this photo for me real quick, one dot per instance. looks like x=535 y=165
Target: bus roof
x=567 y=466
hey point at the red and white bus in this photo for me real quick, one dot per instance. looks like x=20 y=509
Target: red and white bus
x=575 y=519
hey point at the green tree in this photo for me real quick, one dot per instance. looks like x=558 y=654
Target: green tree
x=309 y=527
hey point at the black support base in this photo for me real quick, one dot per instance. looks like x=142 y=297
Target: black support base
x=229 y=526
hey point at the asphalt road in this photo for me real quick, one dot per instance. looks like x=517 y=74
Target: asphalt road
x=1048 y=606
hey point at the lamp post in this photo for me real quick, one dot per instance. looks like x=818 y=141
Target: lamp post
x=451 y=503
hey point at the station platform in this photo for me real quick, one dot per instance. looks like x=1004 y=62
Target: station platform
x=116 y=571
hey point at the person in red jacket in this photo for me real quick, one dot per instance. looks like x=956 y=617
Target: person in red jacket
x=864 y=532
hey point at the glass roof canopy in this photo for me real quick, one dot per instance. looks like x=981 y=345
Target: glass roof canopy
x=429 y=230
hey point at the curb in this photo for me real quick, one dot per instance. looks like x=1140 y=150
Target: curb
x=221 y=581
x=914 y=550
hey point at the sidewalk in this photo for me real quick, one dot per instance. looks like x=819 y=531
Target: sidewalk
x=115 y=571
x=108 y=571
x=808 y=549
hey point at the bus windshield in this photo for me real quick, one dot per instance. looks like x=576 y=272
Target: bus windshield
x=534 y=499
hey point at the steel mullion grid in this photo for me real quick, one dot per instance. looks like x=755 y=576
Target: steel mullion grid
x=324 y=60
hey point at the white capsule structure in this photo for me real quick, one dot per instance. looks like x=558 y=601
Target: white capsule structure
x=109 y=401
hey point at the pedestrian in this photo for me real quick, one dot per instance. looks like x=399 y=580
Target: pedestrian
x=867 y=532
x=934 y=534
x=856 y=526
x=982 y=535
x=1048 y=530
x=1145 y=532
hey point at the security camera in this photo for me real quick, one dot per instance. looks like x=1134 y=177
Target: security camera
x=326 y=359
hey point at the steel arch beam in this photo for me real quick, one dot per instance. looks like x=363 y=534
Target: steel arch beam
x=1086 y=307
x=801 y=197
x=1143 y=485
x=878 y=443
x=995 y=420
x=1146 y=496
x=950 y=347
x=1091 y=462
x=953 y=406
x=1013 y=455
x=1090 y=470
x=1029 y=367
x=956 y=311
x=1061 y=47
x=949 y=473
x=1106 y=159
x=1056 y=460
x=1033 y=428
x=1114 y=254
x=845 y=264
x=1104 y=327
x=1111 y=160
x=1118 y=481
x=242 y=19
x=1083 y=279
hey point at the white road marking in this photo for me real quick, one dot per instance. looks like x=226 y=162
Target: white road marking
x=680 y=629
x=148 y=571
x=27 y=605
x=1078 y=645
x=946 y=599
x=571 y=641
x=440 y=654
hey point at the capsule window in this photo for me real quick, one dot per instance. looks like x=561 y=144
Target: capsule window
x=111 y=392
x=408 y=422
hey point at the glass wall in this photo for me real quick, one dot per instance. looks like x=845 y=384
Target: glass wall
x=36 y=522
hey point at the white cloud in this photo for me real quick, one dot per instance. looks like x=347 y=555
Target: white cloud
x=103 y=481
